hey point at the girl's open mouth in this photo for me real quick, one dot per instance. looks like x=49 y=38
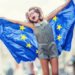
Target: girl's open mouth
x=33 y=17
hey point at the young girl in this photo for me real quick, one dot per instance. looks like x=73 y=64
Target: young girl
x=47 y=51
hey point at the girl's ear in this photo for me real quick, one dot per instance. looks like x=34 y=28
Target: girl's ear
x=41 y=18
x=27 y=15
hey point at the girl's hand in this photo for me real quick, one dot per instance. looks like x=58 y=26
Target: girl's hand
x=56 y=11
x=2 y=17
x=67 y=0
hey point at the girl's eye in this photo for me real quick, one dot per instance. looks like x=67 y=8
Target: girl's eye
x=31 y=13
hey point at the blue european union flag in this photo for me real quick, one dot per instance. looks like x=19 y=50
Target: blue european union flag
x=19 y=40
x=63 y=25
x=22 y=43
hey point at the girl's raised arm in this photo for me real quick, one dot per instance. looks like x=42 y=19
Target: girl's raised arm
x=56 y=11
x=22 y=23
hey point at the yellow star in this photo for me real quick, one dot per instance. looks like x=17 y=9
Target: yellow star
x=59 y=27
x=23 y=37
x=37 y=51
x=22 y=27
x=55 y=18
x=29 y=45
x=59 y=37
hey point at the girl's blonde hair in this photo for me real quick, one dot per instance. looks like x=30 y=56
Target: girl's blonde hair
x=37 y=10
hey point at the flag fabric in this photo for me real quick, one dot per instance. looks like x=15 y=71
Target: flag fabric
x=21 y=41
x=63 y=25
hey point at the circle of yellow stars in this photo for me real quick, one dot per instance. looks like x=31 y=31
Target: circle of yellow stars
x=59 y=27
x=28 y=45
x=22 y=27
x=23 y=37
x=54 y=18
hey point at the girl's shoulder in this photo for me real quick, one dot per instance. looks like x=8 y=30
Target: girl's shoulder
x=28 y=24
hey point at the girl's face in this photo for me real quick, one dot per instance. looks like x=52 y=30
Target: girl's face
x=33 y=16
